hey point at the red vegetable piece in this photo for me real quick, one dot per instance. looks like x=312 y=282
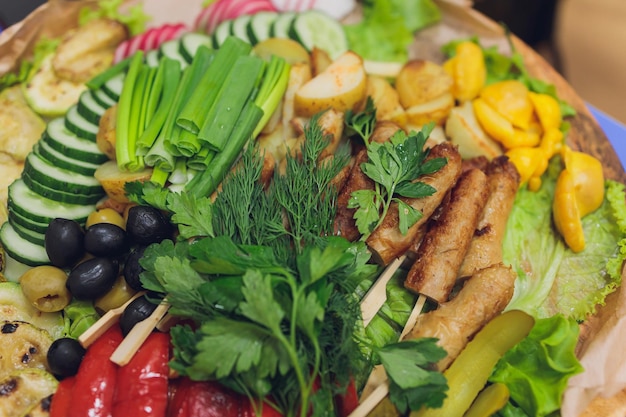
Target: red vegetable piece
x=142 y=384
x=349 y=401
x=94 y=389
x=62 y=398
x=206 y=399
x=216 y=16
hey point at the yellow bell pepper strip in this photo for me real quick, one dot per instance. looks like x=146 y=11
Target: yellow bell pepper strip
x=566 y=214
x=493 y=122
x=588 y=179
x=521 y=137
x=467 y=69
x=552 y=142
x=510 y=98
x=527 y=160
x=547 y=109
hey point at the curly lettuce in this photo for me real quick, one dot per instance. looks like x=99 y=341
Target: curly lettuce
x=551 y=278
x=537 y=369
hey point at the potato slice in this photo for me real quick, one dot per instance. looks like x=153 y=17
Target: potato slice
x=385 y=98
x=421 y=81
x=299 y=74
x=435 y=110
x=320 y=60
x=106 y=136
x=88 y=50
x=113 y=179
x=341 y=86
x=464 y=131
x=21 y=126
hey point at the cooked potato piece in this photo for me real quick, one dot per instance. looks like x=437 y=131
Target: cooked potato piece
x=106 y=137
x=385 y=98
x=435 y=110
x=382 y=69
x=88 y=50
x=320 y=60
x=21 y=127
x=299 y=74
x=420 y=81
x=464 y=131
x=113 y=179
x=341 y=86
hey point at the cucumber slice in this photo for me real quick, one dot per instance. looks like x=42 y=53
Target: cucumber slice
x=16 y=218
x=190 y=42
x=102 y=99
x=239 y=27
x=89 y=108
x=152 y=58
x=282 y=24
x=21 y=249
x=47 y=94
x=62 y=140
x=12 y=271
x=58 y=195
x=28 y=234
x=260 y=25
x=80 y=126
x=52 y=176
x=315 y=28
x=58 y=159
x=222 y=31
x=113 y=87
x=25 y=202
x=171 y=50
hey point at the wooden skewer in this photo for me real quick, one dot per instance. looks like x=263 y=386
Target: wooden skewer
x=135 y=338
x=372 y=400
x=104 y=323
x=377 y=294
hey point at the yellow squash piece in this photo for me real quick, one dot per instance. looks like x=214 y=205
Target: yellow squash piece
x=468 y=71
x=547 y=109
x=588 y=178
x=496 y=125
x=566 y=214
x=510 y=98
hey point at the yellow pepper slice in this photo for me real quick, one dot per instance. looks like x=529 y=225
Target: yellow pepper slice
x=467 y=69
x=547 y=109
x=523 y=138
x=552 y=142
x=527 y=160
x=566 y=214
x=588 y=178
x=510 y=98
x=493 y=122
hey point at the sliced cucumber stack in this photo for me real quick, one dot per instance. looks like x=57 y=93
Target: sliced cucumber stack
x=20 y=249
x=171 y=49
x=59 y=138
x=79 y=125
x=314 y=28
x=53 y=176
x=260 y=25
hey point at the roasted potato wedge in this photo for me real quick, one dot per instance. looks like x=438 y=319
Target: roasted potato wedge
x=435 y=110
x=463 y=130
x=421 y=81
x=113 y=180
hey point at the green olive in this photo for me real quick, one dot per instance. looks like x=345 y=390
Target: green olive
x=44 y=286
x=105 y=215
x=117 y=296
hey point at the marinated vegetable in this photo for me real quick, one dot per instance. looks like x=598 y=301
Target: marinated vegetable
x=45 y=287
x=64 y=356
x=22 y=345
x=64 y=242
x=92 y=278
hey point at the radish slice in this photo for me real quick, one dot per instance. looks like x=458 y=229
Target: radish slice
x=216 y=17
x=337 y=9
x=202 y=18
x=150 y=39
x=180 y=30
x=253 y=7
x=165 y=34
x=232 y=11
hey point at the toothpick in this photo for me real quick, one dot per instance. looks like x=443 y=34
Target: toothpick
x=377 y=294
x=104 y=323
x=139 y=333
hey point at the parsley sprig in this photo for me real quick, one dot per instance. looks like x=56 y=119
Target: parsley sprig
x=394 y=166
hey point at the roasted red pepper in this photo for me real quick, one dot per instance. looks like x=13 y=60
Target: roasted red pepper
x=94 y=389
x=349 y=401
x=205 y=399
x=62 y=398
x=142 y=384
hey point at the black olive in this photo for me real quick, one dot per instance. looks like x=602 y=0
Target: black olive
x=146 y=225
x=64 y=242
x=64 y=356
x=92 y=278
x=106 y=239
x=132 y=269
x=138 y=310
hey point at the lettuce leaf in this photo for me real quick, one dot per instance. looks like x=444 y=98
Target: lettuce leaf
x=551 y=278
x=537 y=369
x=134 y=18
x=387 y=27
